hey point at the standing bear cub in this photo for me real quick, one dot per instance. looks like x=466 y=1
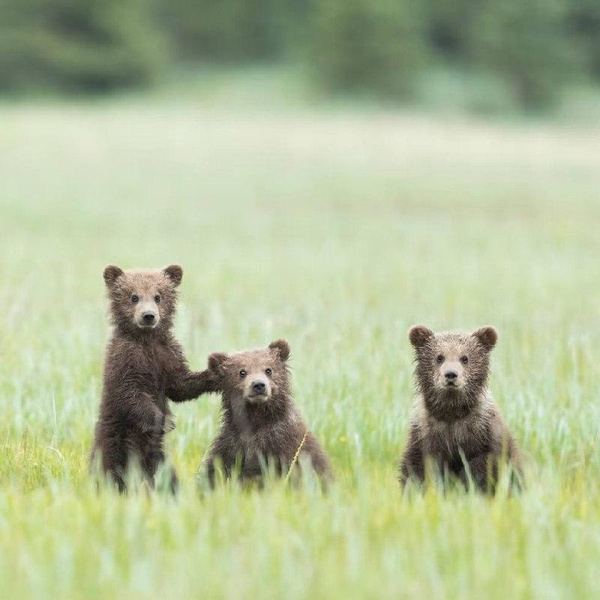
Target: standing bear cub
x=144 y=366
x=456 y=427
x=261 y=426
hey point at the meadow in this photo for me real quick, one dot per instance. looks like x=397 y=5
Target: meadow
x=335 y=227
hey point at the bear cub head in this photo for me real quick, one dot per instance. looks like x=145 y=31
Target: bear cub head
x=142 y=300
x=254 y=378
x=452 y=367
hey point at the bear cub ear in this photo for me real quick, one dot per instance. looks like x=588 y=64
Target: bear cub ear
x=282 y=347
x=216 y=360
x=419 y=335
x=174 y=273
x=487 y=336
x=111 y=274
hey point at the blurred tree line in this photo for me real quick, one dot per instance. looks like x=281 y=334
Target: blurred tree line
x=380 y=47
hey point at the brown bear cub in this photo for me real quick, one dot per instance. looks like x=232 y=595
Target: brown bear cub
x=456 y=428
x=261 y=426
x=144 y=366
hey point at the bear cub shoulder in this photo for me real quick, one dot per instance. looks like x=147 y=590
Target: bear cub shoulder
x=456 y=427
x=261 y=425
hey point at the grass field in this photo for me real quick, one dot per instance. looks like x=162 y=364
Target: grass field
x=336 y=229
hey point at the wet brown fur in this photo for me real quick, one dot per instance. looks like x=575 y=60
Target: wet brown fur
x=143 y=369
x=456 y=428
x=257 y=433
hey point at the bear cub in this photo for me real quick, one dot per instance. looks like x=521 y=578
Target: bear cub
x=261 y=425
x=144 y=367
x=456 y=427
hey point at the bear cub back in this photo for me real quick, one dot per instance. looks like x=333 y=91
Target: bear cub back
x=261 y=425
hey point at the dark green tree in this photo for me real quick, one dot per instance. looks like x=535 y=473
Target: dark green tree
x=525 y=42
x=584 y=27
x=448 y=27
x=92 y=45
x=225 y=30
x=373 y=46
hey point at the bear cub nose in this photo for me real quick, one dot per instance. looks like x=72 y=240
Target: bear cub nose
x=451 y=375
x=148 y=318
x=258 y=387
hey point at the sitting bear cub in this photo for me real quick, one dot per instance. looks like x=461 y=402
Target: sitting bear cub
x=261 y=425
x=456 y=422
x=144 y=365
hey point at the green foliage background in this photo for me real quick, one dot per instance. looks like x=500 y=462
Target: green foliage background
x=72 y=45
x=382 y=48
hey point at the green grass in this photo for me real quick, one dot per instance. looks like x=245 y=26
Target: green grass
x=336 y=230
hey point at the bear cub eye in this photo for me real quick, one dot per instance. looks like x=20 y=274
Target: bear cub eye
x=135 y=298
x=243 y=373
x=440 y=359
x=464 y=360
x=269 y=372
x=157 y=298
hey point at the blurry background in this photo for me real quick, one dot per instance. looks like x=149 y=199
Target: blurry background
x=482 y=56
x=330 y=172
